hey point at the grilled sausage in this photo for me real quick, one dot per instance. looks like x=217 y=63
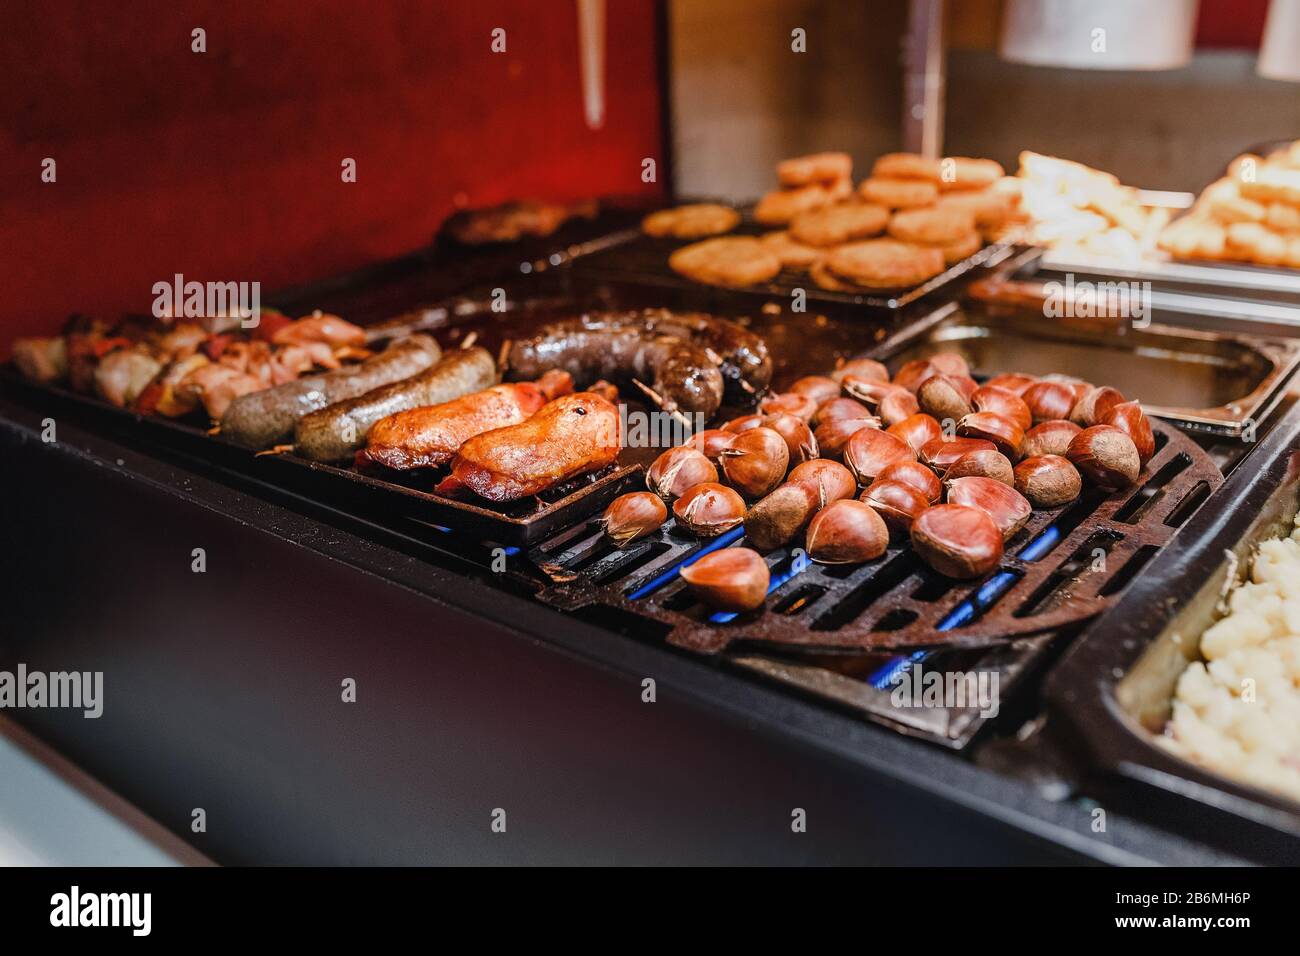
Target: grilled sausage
x=428 y=437
x=338 y=431
x=571 y=436
x=267 y=417
x=688 y=359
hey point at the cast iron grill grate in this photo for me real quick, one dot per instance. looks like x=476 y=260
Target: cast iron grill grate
x=1062 y=568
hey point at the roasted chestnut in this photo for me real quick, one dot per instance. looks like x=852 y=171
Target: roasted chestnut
x=1092 y=408
x=917 y=475
x=950 y=363
x=1004 y=402
x=776 y=519
x=1049 y=438
x=633 y=516
x=942 y=453
x=957 y=540
x=838 y=408
x=946 y=396
x=869 y=390
x=1012 y=382
x=1080 y=387
x=863 y=368
x=1048 y=481
x=982 y=463
x=898 y=503
x=678 y=469
x=897 y=406
x=846 y=532
x=870 y=451
x=831 y=437
x=799 y=439
x=756 y=462
x=1008 y=508
x=790 y=403
x=744 y=423
x=830 y=479
x=709 y=509
x=1003 y=432
x=1106 y=456
x=1129 y=418
x=820 y=388
x=917 y=429
x=730 y=579
x=913 y=373
x=711 y=442
x=1049 y=400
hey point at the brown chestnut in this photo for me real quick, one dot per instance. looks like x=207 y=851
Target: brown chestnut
x=912 y=374
x=799 y=439
x=916 y=429
x=730 y=579
x=918 y=476
x=744 y=423
x=1129 y=418
x=1012 y=382
x=1004 y=433
x=790 y=403
x=709 y=509
x=957 y=540
x=1008 y=508
x=776 y=519
x=1049 y=400
x=831 y=480
x=838 y=408
x=870 y=451
x=820 y=388
x=945 y=396
x=982 y=463
x=678 y=469
x=633 y=516
x=898 y=503
x=756 y=462
x=1092 y=408
x=1049 y=438
x=942 y=453
x=1106 y=456
x=846 y=532
x=1004 y=402
x=897 y=406
x=950 y=363
x=1048 y=481
x=832 y=436
x=863 y=368
x=711 y=442
x=1081 y=388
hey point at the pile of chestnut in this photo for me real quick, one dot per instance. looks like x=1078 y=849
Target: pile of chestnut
x=954 y=466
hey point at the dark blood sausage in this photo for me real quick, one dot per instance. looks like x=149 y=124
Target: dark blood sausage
x=689 y=359
x=265 y=418
x=430 y=436
x=573 y=435
x=340 y=430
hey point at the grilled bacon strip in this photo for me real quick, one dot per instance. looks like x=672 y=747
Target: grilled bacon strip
x=571 y=436
x=430 y=436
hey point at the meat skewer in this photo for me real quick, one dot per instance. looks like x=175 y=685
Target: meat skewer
x=431 y=436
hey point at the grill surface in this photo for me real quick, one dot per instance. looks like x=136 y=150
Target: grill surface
x=1047 y=580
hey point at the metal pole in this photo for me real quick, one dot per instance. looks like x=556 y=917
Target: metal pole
x=923 y=78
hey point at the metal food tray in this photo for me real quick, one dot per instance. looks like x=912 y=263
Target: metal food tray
x=1112 y=692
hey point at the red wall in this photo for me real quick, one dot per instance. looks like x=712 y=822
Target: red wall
x=226 y=165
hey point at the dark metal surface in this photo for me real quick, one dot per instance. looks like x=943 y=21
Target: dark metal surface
x=1106 y=697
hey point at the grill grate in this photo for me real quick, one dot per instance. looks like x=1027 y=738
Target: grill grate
x=1063 y=567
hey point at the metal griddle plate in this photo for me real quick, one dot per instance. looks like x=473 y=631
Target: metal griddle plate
x=896 y=602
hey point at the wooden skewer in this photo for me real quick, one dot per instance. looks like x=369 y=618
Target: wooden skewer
x=469 y=340
x=274 y=450
x=659 y=400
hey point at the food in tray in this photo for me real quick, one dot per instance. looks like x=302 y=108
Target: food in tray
x=1059 y=203
x=1251 y=215
x=429 y=436
x=687 y=361
x=692 y=221
x=938 y=213
x=512 y=221
x=928 y=457
x=1237 y=712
